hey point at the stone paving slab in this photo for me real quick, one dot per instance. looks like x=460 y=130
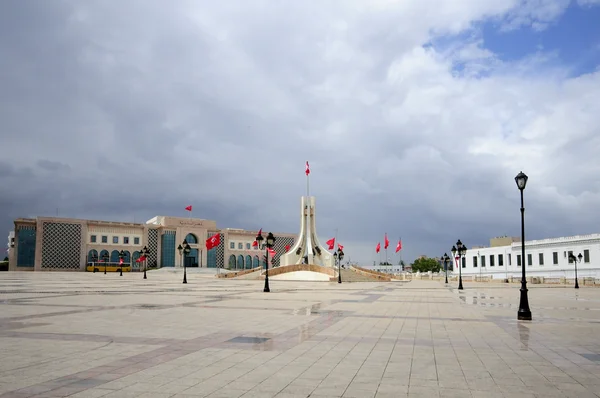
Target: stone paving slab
x=94 y=335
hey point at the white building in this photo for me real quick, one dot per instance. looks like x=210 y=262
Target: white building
x=544 y=257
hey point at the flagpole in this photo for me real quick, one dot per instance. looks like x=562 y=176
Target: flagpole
x=385 y=244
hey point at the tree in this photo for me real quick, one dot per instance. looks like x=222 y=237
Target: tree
x=5 y=258
x=426 y=264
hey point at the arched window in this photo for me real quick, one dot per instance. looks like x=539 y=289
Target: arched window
x=114 y=256
x=136 y=255
x=231 y=262
x=127 y=257
x=92 y=253
x=240 y=263
x=256 y=262
x=102 y=255
x=191 y=239
x=248 y=262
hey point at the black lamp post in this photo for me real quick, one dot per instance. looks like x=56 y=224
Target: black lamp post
x=186 y=252
x=144 y=252
x=339 y=256
x=269 y=244
x=94 y=258
x=575 y=261
x=121 y=257
x=180 y=250
x=445 y=259
x=461 y=250
x=524 y=313
x=105 y=258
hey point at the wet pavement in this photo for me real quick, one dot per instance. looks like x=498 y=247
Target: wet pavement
x=95 y=335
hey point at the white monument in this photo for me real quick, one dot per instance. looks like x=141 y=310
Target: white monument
x=307 y=249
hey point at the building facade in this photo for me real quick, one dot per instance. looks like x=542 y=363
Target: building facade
x=67 y=244
x=544 y=257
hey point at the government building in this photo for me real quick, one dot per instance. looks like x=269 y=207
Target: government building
x=544 y=257
x=67 y=244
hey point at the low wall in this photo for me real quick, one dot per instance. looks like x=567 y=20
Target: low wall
x=238 y=273
x=367 y=272
x=302 y=267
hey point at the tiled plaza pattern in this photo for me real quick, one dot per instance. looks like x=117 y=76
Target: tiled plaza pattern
x=94 y=335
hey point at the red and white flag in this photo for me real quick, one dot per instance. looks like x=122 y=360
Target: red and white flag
x=287 y=248
x=340 y=247
x=307 y=169
x=331 y=243
x=399 y=246
x=189 y=208
x=255 y=244
x=272 y=252
x=213 y=241
x=378 y=247
x=386 y=242
x=120 y=261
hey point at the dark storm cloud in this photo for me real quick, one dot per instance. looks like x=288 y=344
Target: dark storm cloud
x=132 y=109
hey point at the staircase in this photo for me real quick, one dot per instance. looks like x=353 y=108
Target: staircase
x=349 y=275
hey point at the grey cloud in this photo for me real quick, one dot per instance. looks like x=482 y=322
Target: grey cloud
x=155 y=107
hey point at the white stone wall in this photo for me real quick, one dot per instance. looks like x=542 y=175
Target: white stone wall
x=577 y=244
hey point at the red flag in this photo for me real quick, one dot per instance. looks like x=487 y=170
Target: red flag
x=331 y=243
x=287 y=247
x=189 y=208
x=120 y=261
x=386 y=242
x=378 y=247
x=213 y=241
x=307 y=169
x=399 y=246
x=341 y=247
x=272 y=252
x=142 y=258
x=254 y=244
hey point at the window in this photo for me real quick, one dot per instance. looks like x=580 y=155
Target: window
x=126 y=240
x=586 y=256
x=541 y=258
x=474 y=261
x=509 y=259
x=518 y=260
x=529 y=259
x=136 y=241
x=240 y=247
x=482 y=261
x=115 y=239
x=492 y=262
x=93 y=238
x=232 y=246
x=247 y=248
x=500 y=260
x=464 y=262
x=570 y=255
x=555 y=258
x=104 y=239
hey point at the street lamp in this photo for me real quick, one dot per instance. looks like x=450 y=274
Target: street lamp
x=144 y=253
x=268 y=245
x=524 y=313
x=105 y=258
x=575 y=261
x=121 y=256
x=186 y=252
x=461 y=250
x=445 y=259
x=339 y=256
x=94 y=258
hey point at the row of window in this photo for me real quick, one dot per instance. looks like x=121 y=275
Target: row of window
x=115 y=240
x=240 y=246
x=500 y=257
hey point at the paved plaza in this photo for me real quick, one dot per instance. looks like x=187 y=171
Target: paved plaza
x=95 y=335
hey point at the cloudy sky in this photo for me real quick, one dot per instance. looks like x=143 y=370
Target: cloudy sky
x=415 y=115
